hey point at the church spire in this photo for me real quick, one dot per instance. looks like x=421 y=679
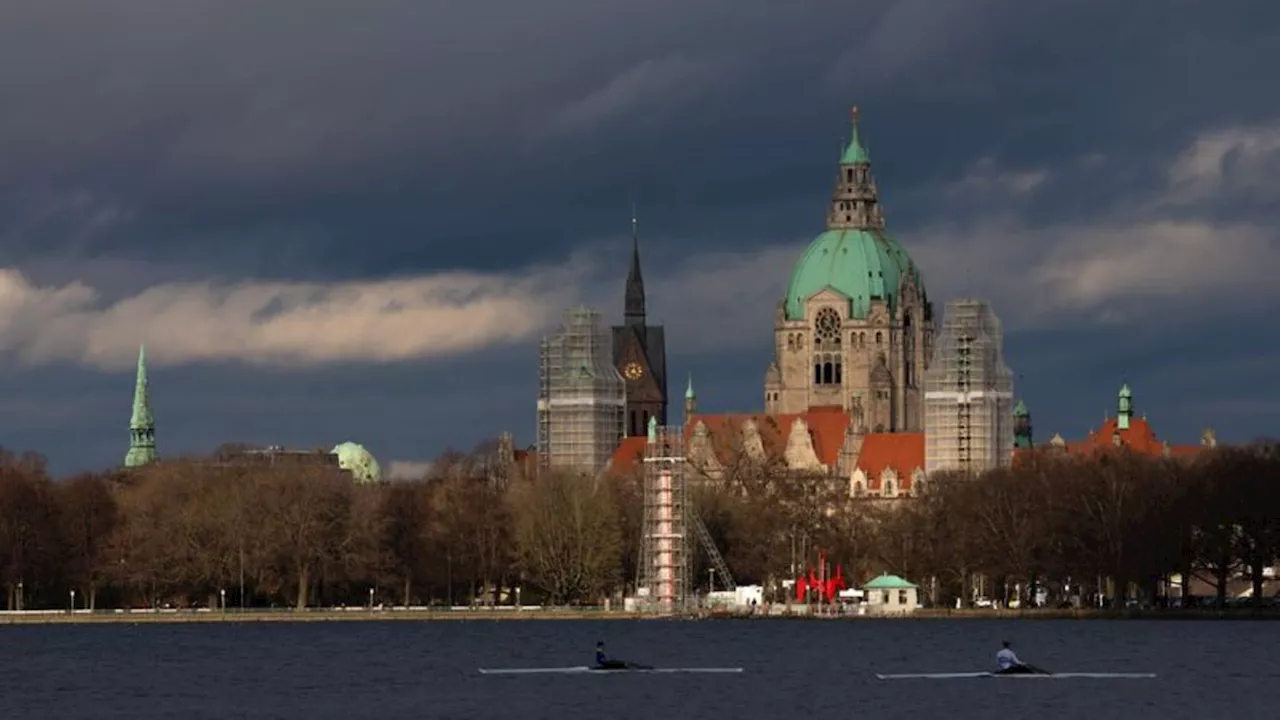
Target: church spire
x=855 y=204
x=633 y=311
x=142 y=426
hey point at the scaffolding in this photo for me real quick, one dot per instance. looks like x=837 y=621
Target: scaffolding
x=664 y=586
x=581 y=396
x=968 y=399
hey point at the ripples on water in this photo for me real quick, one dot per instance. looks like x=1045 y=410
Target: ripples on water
x=794 y=669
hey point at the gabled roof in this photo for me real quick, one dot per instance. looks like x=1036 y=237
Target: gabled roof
x=903 y=452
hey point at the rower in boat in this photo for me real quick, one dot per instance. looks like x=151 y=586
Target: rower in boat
x=604 y=662
x=1009 y=663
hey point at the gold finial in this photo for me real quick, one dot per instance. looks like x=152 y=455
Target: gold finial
x=854 y=113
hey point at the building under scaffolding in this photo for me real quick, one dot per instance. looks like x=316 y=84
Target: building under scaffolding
x=581 y=396
x=968 y=400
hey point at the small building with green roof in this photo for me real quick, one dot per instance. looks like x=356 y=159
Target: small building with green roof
x=891 y=595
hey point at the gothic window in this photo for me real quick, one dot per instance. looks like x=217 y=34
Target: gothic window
x=837 y=378
x=879 y=338
x=858 y=489
x=791 y=342
x=826 y=373
x=862 y=339
x=848 y=175
x=817 y=373
x=888 y=488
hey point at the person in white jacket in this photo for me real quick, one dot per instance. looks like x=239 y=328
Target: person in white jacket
x=1009 y=663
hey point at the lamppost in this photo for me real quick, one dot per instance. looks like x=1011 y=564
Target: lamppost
x=73 y=601
x=371 y=599
x=21 y=598
x=222 y=595
x=517 y=597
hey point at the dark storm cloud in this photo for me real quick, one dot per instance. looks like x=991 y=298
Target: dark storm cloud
x=199 y=127
x=1075 y=161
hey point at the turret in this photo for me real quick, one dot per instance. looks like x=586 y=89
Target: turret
x=690 y=402
x=855 y=202
x=1124 y=411
x=142 y=426
x=1022 y=426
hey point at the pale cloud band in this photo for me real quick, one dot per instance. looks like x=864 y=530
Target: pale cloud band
x=1152 y=264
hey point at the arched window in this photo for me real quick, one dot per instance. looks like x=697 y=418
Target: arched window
x=888 y=488
x=791 y=342
x=848 y=175
x=817 y=372
x=838 y=379
x=827 y=378
x=879 y=337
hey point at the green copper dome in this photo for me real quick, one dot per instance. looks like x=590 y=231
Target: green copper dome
x=854 y=257
x=353 y=457
x=863 y=265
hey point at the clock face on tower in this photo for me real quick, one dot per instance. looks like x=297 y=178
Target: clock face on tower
x=633 y=371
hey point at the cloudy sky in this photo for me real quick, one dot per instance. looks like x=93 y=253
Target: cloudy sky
x=333 y=220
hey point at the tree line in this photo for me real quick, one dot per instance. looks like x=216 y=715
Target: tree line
x=209 y=534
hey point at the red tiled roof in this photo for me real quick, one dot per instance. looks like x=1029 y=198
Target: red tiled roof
x=1138 y=437
x=903 y=452
x=826 y=432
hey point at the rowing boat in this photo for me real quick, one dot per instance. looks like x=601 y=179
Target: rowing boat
x=585 y=669
x=1042 y=676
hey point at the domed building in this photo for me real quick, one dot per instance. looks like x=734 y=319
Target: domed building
x=855 y=330
x=358 y=461
x=853 y=337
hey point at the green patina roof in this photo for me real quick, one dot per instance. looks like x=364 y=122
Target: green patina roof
x=353 y=457
x=1020 y=410
x=860 y=264
x=889 y=582
x=141 y=417
x=854 y=152
x=142 y=425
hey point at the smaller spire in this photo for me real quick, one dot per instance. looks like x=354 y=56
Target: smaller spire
x=633 y=309
x=142 y=425
x=688 y=393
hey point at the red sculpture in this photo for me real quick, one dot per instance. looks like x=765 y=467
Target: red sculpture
x=828 y=586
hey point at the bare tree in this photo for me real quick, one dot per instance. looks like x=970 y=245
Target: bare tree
x=567 y=536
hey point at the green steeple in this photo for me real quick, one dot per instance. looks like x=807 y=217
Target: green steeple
x=688 y=393
x=142 y=426
x=854 y=153
x=1022 y=426
x=1125 y=410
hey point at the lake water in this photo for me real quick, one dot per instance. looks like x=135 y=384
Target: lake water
x=794 y=669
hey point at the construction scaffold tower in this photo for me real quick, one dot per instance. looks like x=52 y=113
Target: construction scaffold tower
x=968 y=393
x=665 y=567
x=669 y=525
x=581 y=396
